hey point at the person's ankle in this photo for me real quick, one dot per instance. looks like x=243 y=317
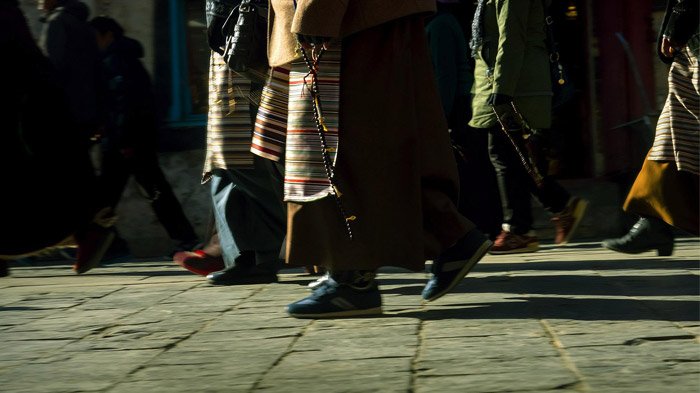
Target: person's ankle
x=358 y=279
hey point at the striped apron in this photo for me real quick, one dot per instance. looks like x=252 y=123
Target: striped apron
x=285 y=128
x=678 y=130
x=229 y=123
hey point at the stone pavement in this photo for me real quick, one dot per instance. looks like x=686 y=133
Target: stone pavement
x=570 y=319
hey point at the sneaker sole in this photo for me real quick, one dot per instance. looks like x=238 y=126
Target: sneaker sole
x=532 y=247
x=340 y=314
x=578 y=212
x=478 y=255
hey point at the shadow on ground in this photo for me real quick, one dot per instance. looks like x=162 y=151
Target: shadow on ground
x=564 y=308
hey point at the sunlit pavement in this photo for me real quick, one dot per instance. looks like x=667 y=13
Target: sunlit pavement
x=569 y=319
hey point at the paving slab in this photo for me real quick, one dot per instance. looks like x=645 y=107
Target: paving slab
x=577 y=318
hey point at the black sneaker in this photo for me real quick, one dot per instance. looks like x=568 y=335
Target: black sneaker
x=455 y=263
x=332 y=300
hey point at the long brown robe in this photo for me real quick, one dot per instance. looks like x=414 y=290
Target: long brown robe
x=394 y=162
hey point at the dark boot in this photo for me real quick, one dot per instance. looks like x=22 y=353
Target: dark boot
x=243 y=272
x=647 y=234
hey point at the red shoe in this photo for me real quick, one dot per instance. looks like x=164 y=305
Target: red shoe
x=198 y=262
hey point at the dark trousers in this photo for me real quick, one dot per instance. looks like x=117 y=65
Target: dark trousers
x=116 y=170
x=249 y=213
x=479 y=197
x=516 y=185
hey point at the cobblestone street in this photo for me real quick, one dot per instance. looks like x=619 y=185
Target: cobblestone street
x=568 y=319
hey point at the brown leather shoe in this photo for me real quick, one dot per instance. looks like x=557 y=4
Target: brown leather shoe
x=566 y=221
x=510 y=243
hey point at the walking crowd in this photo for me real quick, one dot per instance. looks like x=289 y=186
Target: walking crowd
x=341 y=137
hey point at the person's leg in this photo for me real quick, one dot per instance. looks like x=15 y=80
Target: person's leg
x=479 y=196
x=442 y=220
x=151 y=179
x=663 y=197
x=513 y=181
x=514 y=185
x=550 y=193
x=397 y=167
x=204 y=261
x=250 y=222
x=114 y=174
x=95 y=238
x=344 y=293
x=567 y=211
x=647 y=234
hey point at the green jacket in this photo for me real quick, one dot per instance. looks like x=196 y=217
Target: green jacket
x=513 y=60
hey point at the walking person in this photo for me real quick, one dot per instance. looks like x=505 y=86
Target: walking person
x=454 y=73
x=56 y=204
x=370 y=179
x=665 y=193
x=129 y=140
x=246 y=189
x=512 y=74
x=69 y=42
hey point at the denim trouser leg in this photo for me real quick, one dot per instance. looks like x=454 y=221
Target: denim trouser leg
x=249 y=213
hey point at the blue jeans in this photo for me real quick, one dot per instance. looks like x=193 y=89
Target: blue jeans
x=249 y=212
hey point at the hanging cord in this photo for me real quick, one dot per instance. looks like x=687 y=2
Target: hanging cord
x=312 y=62
x=553 y=45
x=529 y=162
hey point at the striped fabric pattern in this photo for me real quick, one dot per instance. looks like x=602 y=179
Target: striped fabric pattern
x=305 y=176
x=678 y=130
x=229 y=124
x=270 y=134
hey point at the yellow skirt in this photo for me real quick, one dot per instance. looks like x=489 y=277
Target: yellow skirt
x=662 y=191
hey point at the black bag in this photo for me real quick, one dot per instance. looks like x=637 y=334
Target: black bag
x=245 y=31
